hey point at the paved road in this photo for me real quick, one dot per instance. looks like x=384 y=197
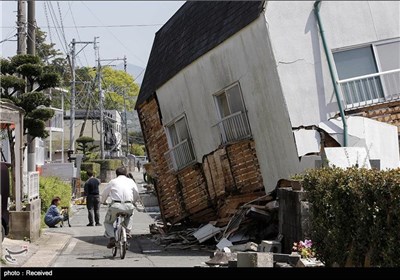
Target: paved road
x=87 y=247
x=82 y=246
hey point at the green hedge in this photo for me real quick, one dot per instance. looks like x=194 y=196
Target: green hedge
x=355 y=216
x=92 y=166
x=49 y=187
x=109 y=164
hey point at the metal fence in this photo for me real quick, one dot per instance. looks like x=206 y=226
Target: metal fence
x=33 y=185
x=180 y=156
x=371 y=89
x=234 y=127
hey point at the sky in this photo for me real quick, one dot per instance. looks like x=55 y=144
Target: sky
x=123 y=27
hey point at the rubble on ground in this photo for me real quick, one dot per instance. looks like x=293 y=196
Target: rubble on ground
x=247 y=226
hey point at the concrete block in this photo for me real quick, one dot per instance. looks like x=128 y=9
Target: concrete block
x=222 y=258
x=26 y=224
x=232 y=263
x=19 y=225
x=293 y=217
x=270 y=246
x=291 y=259
x=254 y=259
x=283 y=265
x=35 y=219
x=249 y=246
x=312 y=262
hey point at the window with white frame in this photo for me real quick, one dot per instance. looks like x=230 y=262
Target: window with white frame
x=181 y=153
x=369 y=74
x=233 y=123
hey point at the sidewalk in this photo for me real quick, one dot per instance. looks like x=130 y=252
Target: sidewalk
x=41 y=253
x=44 y=251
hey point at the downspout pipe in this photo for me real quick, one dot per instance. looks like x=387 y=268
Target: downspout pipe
x=317 y=5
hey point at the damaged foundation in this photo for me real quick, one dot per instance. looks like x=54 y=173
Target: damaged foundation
x=208 y=191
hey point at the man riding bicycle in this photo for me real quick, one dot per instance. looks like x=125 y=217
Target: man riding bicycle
x=123 y=193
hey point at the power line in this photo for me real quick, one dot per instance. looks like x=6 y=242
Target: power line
x=52 y=16
x=48 y=22
x=102 y=26
x=79 y=37
x=69 y=9
x=115 y=37
x=9 y=37
x=62 y=24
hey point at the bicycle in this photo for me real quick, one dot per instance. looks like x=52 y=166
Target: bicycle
x=121 y=240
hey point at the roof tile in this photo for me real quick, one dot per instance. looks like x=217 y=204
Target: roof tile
x=196 y=28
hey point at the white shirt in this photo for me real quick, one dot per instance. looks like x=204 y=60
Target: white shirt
x=121 y=189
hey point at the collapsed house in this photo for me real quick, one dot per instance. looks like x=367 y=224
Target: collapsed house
x=237 y=95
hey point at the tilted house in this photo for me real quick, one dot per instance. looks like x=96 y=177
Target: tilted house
x=228 y=83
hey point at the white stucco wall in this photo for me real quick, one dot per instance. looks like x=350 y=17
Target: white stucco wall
x=246 y=58
x=378 y=138
x=381 y=140
x=283 y=73
x=298 y=50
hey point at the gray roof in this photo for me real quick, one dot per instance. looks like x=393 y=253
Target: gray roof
x=196 y=28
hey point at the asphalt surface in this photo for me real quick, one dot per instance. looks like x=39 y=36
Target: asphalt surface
x=85 y=246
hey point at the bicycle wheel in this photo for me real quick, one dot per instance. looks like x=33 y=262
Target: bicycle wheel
x=122 y=242
x=122 y=249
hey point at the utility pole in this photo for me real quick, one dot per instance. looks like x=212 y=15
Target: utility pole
x=126 y=123
x=126 y=116
x=73 y=92
x=72 y=107
x=31 y=50
x=31 y=27
x=101 y=105
x=21 y=21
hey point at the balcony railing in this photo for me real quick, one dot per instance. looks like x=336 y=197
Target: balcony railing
x=56 y=122
x=371 y=89
x=180 y=156
x=234 y=127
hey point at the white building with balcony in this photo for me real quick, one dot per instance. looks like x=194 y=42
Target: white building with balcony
x=225 y=73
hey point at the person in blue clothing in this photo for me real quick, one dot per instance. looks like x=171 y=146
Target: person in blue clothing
x=53 y=215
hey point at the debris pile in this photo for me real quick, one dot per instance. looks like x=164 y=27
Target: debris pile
x=245 y=228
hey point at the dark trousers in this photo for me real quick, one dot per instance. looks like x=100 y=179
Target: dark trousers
x=53 y=221
x=93 y=205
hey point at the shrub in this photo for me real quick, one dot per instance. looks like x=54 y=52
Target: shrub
x=355 y=215
x=109 y=164
x=49 y=187
x=137 y=149
x=84 y=176
x=86 y=146
x=91 y=166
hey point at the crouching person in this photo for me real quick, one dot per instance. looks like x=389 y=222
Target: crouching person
x=53 y=215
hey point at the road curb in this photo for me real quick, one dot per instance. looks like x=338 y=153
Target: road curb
x=50 y=245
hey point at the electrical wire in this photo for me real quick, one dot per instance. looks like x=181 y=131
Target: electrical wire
x=69 y=10
x=79 y=37
x=115 y=37
x=8 y=38
x=62 y=25
x=51 y=12
x=102 y=26
x=47 y=20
